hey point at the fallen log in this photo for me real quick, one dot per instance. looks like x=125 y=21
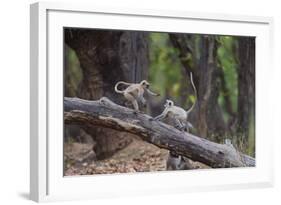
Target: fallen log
x=106 y=113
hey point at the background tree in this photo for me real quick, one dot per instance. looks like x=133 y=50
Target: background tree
x=106 y=57
x=246 y=91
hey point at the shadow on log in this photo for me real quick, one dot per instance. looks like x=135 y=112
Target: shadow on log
x=106 y=113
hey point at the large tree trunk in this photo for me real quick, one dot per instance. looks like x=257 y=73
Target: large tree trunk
x=246 y=86
x=108 y=114
x=106 y=57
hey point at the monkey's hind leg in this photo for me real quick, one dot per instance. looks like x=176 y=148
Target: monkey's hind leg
x=136 y=106
x=143 y=101
x=132 y=99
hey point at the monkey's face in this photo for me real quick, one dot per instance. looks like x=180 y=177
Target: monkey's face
x=144 y=84
x=169 y=103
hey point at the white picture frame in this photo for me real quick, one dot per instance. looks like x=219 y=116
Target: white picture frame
x=47 y=182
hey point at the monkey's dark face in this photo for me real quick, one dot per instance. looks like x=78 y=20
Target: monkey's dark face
x=169 y=103
x=144 y=84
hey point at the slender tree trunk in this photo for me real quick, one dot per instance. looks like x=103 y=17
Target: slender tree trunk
x=206 y=68
x=246 y=86
x=182 y=43
x=105 y=58
x=210 y=121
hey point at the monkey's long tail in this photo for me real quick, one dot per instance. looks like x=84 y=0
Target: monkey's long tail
x=117 y=84
x=195 y=92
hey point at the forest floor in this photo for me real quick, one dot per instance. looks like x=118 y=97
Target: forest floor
x=138 y=156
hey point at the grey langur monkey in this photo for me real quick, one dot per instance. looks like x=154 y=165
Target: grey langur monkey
x=177 y=162
x=135 y=92
x=178 y=113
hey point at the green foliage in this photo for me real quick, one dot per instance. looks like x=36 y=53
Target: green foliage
x=73 y=74
x=165 y=66
x=228 y=63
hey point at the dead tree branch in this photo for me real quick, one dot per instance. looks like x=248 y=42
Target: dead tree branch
x=106 y=113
